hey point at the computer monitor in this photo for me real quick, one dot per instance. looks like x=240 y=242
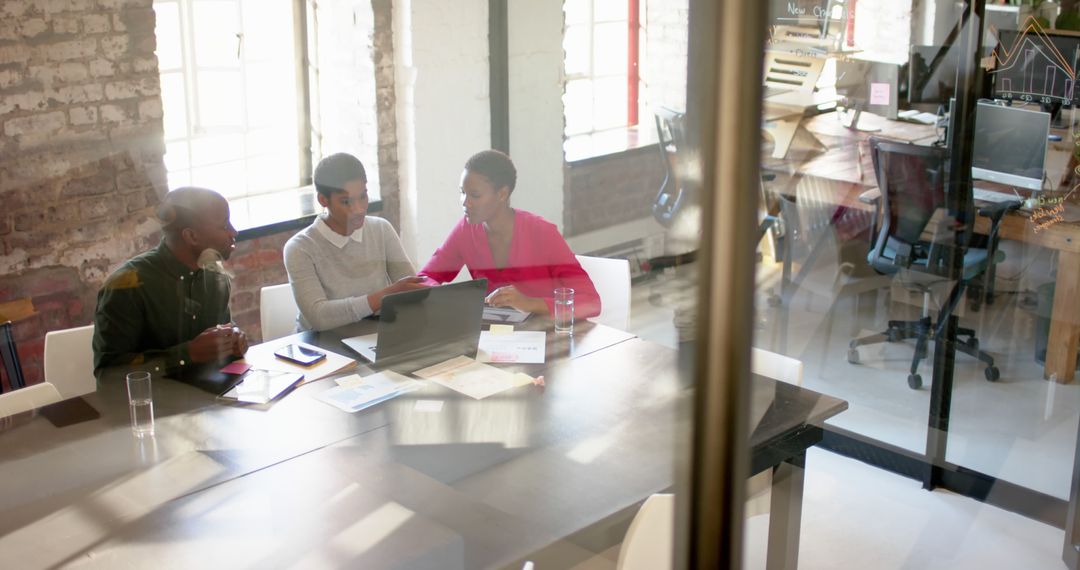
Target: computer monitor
x=1010 y=145
x=932 y=74
x=1036 y=66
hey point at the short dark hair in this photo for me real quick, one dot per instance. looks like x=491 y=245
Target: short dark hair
x=184 y=208
x=336 y=170
x=495 y=166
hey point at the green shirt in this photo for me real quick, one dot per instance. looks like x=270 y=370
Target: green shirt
x=152 y=306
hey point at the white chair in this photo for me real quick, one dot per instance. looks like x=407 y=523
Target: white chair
x=69 y=361
x=649 y=542
x=277 y=311
x=776 y=366
x=611 y=277
x=28 y=398
x=784 y=369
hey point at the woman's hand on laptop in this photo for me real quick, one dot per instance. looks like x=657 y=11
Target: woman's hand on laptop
x=399 y=286
x=509 y=296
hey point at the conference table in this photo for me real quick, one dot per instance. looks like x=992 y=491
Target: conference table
x=847 y=166
x=550 y=474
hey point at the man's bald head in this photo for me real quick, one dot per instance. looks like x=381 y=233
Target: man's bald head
x=187 y=207
x=195 y=219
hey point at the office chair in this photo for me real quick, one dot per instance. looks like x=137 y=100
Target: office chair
x=10 y=357
x=912 y=183
x=672 y=139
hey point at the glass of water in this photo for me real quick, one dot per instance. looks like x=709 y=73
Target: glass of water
x=141 y=402
x=564 y=310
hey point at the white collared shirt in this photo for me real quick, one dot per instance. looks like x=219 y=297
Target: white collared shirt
x=335 y=238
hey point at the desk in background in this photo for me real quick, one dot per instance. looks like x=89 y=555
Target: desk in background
x=480 y=484
x=847 y=162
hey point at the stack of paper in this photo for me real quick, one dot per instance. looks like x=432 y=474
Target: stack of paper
x=354 y=393
x=525 y=347
x=473 y=378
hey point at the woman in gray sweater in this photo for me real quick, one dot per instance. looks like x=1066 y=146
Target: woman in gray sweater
x=343 y=264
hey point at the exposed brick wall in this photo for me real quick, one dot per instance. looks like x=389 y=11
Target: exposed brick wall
x=610 y=190
x=386 y=110
x=80 y=155
x=255 y=263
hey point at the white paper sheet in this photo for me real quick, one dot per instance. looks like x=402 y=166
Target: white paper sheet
x=367 y=392
x=473 y=378
x=526 y=347
x=262 y=356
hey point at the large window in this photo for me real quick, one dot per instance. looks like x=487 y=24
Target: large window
x=229 y=91
x=601 y=63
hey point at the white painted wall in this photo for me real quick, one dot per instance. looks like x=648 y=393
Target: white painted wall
x=443 y=111
x=536 y=107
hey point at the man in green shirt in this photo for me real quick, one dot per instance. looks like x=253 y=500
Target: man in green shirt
x=169 y=307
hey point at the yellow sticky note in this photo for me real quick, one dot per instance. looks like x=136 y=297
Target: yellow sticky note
x=502 y=329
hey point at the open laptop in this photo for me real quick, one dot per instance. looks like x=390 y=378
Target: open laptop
x=424 y=327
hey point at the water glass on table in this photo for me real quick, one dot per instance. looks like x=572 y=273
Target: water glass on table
x=141 y=403
x=564 y=310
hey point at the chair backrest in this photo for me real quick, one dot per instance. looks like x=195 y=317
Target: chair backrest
x=611 y=277
x=912 y=182
x=671 y=136
x=9 y=357
x=776 y=366
x=28 y=398
x=69 y=361
x=277 y=311
x=649 y=542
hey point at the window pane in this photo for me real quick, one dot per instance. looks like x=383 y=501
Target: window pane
x=610 y=49
x=272 y=172
x=169 y=45
x=177 y=156
x=226 y=179
x=220 y=99
x=218 y=148
x=609 y=103
x=178 y=179
x=578 y=102
x=174 y=105
x=268 y=31
x=577 y=11
x=271 y=96
x=576 y=45
x=610 y=10
x=269 y=141
x=216 y=27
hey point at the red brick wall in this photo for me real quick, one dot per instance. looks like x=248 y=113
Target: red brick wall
x=610 y=190
x=255 y=263
x=80 y=155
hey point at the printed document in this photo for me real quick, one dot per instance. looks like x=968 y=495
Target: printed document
x=526 y=347
x=472 y=378
x=354 y=393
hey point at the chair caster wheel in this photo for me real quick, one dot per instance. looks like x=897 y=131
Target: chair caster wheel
x=992 y=374
x=914 y=381
x=892 y=335
x=853 y=356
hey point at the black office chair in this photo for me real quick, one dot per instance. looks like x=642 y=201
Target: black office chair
x=672 y=139
x=912 y=183
x=10 y=358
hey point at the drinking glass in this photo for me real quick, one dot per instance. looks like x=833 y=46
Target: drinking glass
x=564 y=310
x=141 y=402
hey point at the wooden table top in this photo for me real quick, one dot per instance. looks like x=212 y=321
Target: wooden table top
x=482 y=483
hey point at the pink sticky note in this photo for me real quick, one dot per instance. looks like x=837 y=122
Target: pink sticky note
x=879 y=93
x=238 y=367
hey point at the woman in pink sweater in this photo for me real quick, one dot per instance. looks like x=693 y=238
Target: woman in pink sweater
x=523 y=256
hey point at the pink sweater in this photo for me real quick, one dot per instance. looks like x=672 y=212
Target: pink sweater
x=539 y=262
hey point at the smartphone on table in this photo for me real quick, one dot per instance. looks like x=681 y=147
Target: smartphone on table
x=300 y=354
